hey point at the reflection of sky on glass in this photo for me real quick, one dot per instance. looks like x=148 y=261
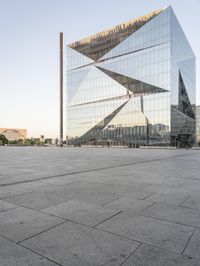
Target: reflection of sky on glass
x=96 y=86
x=150 y=65
x=130 y=115
x=29 y=30
x=132 y=65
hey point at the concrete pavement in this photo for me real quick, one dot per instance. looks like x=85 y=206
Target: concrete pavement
x=99 y=206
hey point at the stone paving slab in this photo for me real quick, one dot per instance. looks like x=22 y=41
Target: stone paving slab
x=83 y=191
x=135 y=173
x=130 y=190
x=160 y=233
x=75 y=244
x=92 y=192
x=129 y=205
x=162 y=188
x=147 y=255
x=6 y=206
x=17 y=189
x=169 y=197
x=60 y=180
x=180 y=191
x=171 y=181
x=193 y=248
x=40 y=200
x=20 y=223
x=181 y=215
x=192 y=202
x=12 y=254
x=107 y=178
x=85 y=213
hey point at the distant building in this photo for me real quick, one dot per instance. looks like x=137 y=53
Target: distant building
x=36 y=140
x=14 y=133
x=42 y=139
x=50 y=141
x=133 y=84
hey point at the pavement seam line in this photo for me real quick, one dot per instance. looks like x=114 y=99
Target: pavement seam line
x=107 y=219
x=167 y=221
x=181 y=204
x=41 y=255
x=107 y=203
x=73 y=221
x=9 y=209
x=149 y=196
x=131 y=253
x=182 y=253
x=153 y=203
x=19 y=242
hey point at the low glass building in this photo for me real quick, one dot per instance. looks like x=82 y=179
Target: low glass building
x=133 y=84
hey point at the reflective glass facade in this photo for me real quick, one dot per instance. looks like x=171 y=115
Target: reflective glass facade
x=198 y=125
x=133 y=84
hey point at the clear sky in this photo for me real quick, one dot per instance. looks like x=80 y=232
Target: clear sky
x=29 y=50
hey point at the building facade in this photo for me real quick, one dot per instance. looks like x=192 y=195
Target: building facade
x=198 y=125
x=133 y=84
x=14 y=133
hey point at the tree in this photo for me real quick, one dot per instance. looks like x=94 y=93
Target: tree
x=3 y=139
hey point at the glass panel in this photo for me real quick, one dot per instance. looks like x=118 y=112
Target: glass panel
x=133 y=86
x=155 y=32
x=74 y=80
x=96 y=46
x=151 y=66
x=75 y=59
x=96 y=86
x=184 y=102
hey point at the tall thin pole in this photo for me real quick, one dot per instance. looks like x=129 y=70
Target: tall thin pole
x=61 y=89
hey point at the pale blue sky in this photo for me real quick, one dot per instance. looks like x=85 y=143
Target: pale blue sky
x=29 y=43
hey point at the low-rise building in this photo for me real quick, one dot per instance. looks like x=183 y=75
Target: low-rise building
x=14 y=133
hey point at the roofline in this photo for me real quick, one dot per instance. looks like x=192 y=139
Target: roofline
x=103 y=32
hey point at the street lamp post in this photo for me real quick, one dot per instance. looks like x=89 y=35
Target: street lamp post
x=61 y=90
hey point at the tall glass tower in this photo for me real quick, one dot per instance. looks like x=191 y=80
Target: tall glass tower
x=133 y=84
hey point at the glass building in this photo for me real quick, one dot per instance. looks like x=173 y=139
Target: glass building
x=198 y=125
x=133 y=84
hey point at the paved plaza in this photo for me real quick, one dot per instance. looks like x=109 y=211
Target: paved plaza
x=99 y=206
